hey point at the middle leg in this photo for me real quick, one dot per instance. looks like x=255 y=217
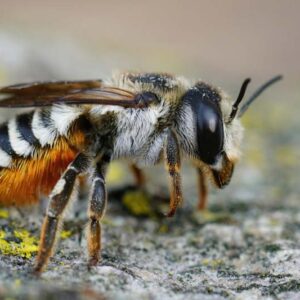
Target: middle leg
x=172 y=157
x=97 y=205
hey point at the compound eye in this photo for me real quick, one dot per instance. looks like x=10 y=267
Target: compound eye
x=210 y=134
x=204 y=102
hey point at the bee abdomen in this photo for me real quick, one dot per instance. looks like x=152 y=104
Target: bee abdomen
x=25 y=134
x=17 y=139
x=42 y=127
x=24 y=123
x=20 y=135
x=6 y=151
x=35 y=149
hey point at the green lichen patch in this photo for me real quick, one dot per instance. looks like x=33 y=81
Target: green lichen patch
x=138 y=203
x=115 y=173
x=212 y=263
x=207 y=216
x=3 y=214
x=18 y=243
x=64 y=234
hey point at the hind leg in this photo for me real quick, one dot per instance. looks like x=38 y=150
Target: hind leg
x=59 y=199
x=172 y=161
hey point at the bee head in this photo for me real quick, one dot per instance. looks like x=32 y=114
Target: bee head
x=209 y=127
x=212 y=134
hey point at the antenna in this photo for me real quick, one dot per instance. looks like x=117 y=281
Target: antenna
x=257 y=93
x=235 y=105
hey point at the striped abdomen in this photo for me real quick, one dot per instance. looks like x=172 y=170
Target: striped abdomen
x=35 y=148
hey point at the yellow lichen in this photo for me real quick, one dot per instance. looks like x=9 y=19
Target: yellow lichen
x=65 y=234
x=138 y=203
x=3 y=214
x=4 y=247
x=115 y=173
x=24 y=248
x=163 y=228
x=18 y=282
x=208 y=216
x=212 y=263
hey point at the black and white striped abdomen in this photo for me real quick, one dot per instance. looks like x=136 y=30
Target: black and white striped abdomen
x=26 y=133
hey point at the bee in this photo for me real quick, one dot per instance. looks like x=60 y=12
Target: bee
x=204 y=173
x=79 y=127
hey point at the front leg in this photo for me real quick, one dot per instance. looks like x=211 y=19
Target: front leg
x=59 y=199
x=202 y=189
x=172 y=159
x=97 y=205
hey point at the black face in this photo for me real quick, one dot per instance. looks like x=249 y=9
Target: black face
x=204 y=102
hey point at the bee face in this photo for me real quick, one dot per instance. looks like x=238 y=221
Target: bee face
x=212 y=141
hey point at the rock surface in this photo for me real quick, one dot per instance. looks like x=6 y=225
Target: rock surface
x=244 y=249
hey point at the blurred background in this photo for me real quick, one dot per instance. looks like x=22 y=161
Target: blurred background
x=221 y=42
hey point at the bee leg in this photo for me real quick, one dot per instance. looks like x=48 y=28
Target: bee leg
x=138 y=175
x=172 y=158
x=59 y=198
x=202 y=190
x=97 y=205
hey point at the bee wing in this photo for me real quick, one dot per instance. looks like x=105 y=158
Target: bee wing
x=69 y=92
x=51 y=87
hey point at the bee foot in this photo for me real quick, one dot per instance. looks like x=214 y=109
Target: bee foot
x=93 y=262
x=36 y=272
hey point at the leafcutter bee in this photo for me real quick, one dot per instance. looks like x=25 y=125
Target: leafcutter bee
x=79 y=127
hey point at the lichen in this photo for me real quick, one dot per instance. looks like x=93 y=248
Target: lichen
x=115 y=173
x=207 y=216
x=65 y=234
x=138 y=203
x=24 y=246
x=17 y=283
x=3 y=214
x=212 y=263
x=163 y=228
